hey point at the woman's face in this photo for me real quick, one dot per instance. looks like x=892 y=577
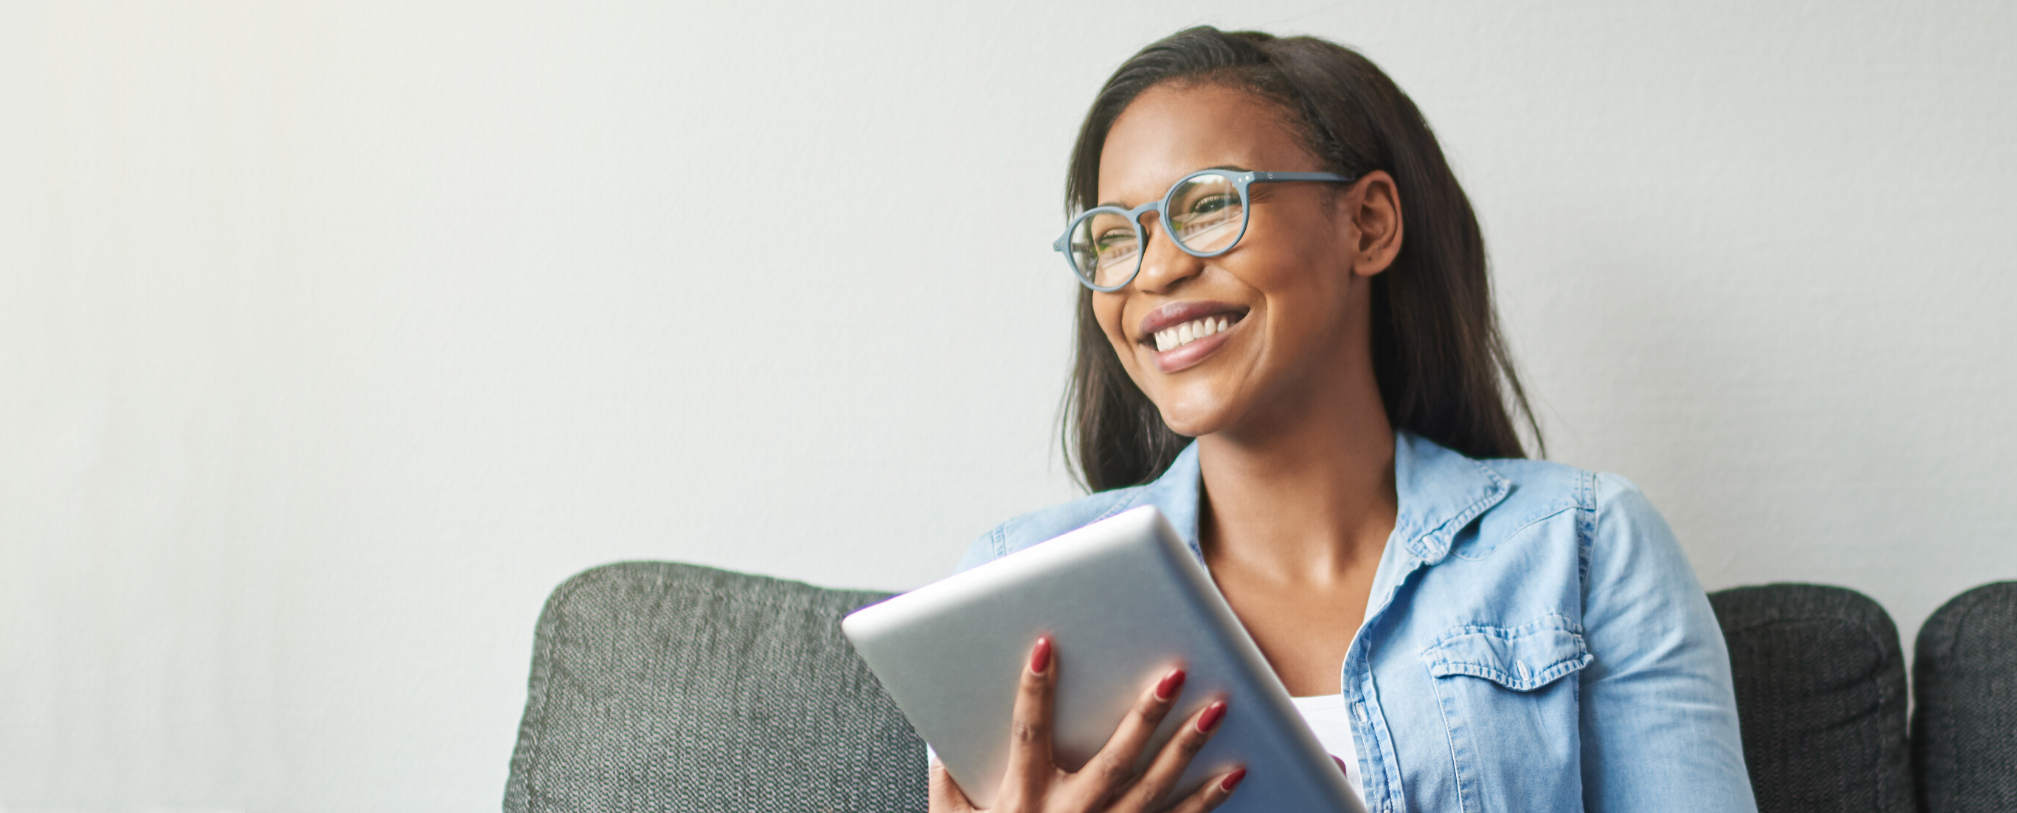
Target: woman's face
x=1293 y=291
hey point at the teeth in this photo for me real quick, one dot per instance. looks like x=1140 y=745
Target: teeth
x=1180 y=335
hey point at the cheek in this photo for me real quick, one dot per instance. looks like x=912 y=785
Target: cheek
x=1108 y=315
x=1107 y=311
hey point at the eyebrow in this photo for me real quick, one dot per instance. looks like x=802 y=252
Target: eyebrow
x=1233 y=167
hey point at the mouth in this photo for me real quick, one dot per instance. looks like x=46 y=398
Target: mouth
x=1187 y=335
x=1173 y=327
x=1191 y=332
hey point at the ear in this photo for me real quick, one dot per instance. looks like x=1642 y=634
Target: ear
x=1369 y=215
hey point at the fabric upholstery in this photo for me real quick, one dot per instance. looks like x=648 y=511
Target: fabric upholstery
x=1964 y=728
x=1821 y=698
x=659 y=686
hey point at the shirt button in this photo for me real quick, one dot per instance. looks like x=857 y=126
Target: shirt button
x=1359 y=712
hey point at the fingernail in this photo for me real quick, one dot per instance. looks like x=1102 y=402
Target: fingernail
x=1040 y=658
x=1341 y=763
x=1213 y=713
x=1232 y=780
x=1171 y=683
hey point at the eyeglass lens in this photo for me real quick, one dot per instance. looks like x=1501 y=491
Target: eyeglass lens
x=1207 y=212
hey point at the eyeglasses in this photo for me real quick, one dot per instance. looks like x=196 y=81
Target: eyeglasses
x=1205 y=214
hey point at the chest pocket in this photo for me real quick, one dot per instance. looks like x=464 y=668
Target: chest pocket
x=1521 y=658
x=1509 y=697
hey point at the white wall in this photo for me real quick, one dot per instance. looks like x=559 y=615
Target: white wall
x=334 y=334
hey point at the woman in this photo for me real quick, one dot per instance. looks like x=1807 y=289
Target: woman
x=1303 y=291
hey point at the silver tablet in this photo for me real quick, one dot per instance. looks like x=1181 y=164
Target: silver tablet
x=1123 y=600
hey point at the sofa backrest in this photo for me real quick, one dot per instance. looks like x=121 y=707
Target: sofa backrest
x=662 y=686
x=1820 y=698
x=1964 y=726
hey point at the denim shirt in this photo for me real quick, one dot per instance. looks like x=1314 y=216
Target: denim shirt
x=1534 y=640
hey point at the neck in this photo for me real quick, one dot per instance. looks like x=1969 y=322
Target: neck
x=1310 y=500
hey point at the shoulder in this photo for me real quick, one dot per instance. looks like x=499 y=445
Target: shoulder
x=1630 y=542
x=1540 y=498
x=1540 y=489
x=1024 y=530
x=1598 y=510
x=1622 y=545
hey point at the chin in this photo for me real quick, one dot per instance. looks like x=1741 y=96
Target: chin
x=1191 y=422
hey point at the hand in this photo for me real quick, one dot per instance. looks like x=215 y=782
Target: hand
x=1033 y=782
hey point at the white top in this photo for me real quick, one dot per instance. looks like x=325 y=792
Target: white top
x=1331 y=721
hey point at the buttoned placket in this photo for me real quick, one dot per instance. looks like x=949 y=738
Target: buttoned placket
x=1421 y=537
x=1382 y=785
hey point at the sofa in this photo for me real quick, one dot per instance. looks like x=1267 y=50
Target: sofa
x=658 y=686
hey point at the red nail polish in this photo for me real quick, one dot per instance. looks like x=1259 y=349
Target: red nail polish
x=1232 y=780
x=1040 y=658
x=1171 y=683
x=1341 y=763
x=1213 y=714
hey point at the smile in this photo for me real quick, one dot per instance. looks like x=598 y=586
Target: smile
x=1179 y=335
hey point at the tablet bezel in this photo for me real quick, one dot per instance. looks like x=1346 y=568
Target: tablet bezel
x=1124 y=599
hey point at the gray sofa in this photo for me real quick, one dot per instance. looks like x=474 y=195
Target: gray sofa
x=660 y=686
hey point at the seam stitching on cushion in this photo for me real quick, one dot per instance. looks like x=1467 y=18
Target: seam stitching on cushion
x=598 y=575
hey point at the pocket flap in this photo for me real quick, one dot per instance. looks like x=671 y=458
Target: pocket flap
x=1521 y=658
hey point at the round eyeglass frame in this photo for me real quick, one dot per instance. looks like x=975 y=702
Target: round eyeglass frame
x=1240 y=179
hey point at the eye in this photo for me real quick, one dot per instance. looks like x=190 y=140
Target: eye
x=1113 y=238
x=1213 y=203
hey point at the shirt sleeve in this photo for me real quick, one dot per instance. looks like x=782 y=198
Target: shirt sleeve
x=1659 y=714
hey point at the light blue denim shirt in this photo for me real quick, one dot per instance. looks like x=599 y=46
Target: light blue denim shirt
x=1534 y=641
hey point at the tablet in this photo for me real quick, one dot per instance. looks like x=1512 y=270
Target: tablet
x=1124 y=600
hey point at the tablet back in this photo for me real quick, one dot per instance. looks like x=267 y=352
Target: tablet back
x=1124 y=600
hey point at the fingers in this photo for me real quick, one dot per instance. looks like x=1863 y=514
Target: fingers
x=1110 y=770
x=1211 y=794
x=1176 y=755
x=1030 y=769
x=945 y=795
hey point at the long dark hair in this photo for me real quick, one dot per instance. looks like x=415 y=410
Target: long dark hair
x=1437 y=352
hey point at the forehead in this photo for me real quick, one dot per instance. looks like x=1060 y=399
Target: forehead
x=1170 y=131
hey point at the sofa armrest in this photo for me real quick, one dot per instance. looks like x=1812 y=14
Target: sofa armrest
x=661 y=686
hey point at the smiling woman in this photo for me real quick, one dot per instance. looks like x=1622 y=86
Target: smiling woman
x=1286 y=342
x=1428 y=330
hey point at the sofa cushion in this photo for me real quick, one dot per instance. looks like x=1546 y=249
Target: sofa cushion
x=1820 y=697
x=660 y=686
x=1964 y=729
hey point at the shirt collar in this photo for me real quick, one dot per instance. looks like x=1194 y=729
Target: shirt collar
x=1439 y=490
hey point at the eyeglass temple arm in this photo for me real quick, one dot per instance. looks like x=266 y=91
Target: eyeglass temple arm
x=1302 y=176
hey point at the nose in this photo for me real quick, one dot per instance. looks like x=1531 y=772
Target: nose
x=1164 y=266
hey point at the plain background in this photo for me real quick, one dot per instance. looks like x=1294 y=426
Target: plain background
x=334 y=334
